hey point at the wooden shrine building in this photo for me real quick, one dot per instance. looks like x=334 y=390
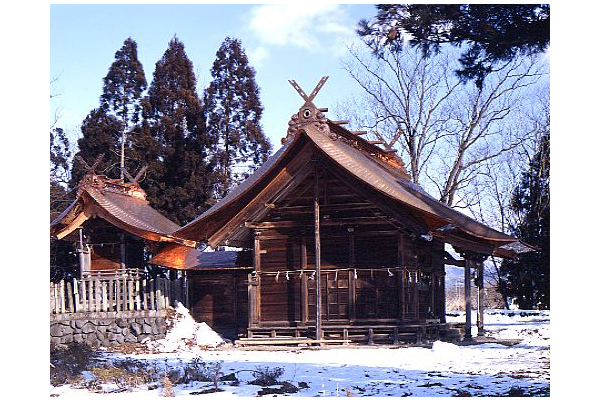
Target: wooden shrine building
x=113 y=226
x=338 y=242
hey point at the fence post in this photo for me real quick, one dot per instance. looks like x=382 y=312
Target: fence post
x=84 y=306
x=104 y=285
x=98 y=294
x=159 y=298
x=76 y=302
x=118 y=294
x=137 y=293
x=144 y=294
x=124 y=294
x=87 y=284
x=152 y=285
x=70 y=307
x=111 y=294
x=130 y=294
x=52 y=308
x=167 y=289
x=90 y=293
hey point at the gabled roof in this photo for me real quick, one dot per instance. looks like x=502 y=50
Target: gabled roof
x=378 y=168
x=121 y=204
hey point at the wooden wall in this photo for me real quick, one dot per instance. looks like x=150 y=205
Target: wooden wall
x=396 y=279
x=220 y=298
x=105 y=240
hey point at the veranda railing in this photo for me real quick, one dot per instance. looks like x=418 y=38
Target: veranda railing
x=125 y=292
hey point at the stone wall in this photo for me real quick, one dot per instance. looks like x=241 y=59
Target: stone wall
x=107 y=328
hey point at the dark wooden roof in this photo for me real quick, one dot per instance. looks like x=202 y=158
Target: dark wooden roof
x=378 y=168
x=122 y=204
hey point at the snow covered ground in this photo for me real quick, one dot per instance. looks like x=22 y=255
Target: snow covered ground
x=441 y=369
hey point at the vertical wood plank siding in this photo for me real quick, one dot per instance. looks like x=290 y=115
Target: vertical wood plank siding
x=397 y=279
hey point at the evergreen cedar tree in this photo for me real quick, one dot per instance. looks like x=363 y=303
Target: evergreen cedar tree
x=167 y=131
x=528 y=278
x=233 y=111
x=124 y=85
x=491 y=32
x=101 y=133
x=122 y=91
x=116 y=118
x=179 y=177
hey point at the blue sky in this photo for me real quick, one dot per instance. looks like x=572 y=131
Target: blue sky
x=283 y=41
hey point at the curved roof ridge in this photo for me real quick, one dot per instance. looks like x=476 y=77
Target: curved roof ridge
x=123 y=215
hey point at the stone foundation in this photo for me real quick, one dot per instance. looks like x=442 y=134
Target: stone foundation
x=107 y=328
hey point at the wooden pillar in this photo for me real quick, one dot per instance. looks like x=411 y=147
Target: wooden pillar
x=317 y=212
x=186 y=280
x=481 y=299
x=251 y=301
x=467 y=299
x=351 y=280
x=434 y=291
x=304 y=280
x=254 y=286
x=400 y=274
x=443 y=297
x=415 y=292
x=416 y=279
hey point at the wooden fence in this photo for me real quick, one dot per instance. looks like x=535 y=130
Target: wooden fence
x=125 y=293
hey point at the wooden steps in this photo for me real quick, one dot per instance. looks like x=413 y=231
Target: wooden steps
x=346 y=334
x=286 y=341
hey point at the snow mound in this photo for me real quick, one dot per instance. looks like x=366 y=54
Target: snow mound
x=445 y=349
x=184 y=333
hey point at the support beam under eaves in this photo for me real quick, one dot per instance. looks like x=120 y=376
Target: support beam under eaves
x=480 y=300
x=319 y=333
x=467 y=299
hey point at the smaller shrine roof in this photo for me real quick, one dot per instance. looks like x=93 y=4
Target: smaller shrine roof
x=122 y=204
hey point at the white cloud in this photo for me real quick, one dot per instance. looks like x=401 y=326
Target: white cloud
x=256 y=55
x=313 y=26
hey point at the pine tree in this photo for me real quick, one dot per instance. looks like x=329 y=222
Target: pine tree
x=179 y=180
x=233 y=111
x=489 y=32
x=528 y=278
x=122 y=92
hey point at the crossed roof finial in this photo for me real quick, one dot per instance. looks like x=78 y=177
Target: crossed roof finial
x=308 y=113
x=309 y=99
x=90 y=169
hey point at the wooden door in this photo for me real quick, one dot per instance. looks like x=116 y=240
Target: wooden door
x=334 y=296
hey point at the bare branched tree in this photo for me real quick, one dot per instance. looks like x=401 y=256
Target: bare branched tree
x=445 y=130
x=493 y=190
x=406 y=101
x=61 y=152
